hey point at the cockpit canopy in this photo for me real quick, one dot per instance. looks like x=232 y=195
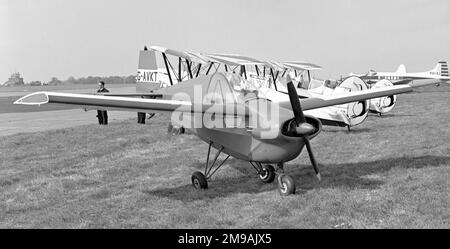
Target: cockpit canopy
x=238 y=89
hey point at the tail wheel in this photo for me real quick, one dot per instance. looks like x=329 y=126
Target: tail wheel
x=267 y=175
x=178 y=130
x=169 y=128
x=286 y=185
x=199 y=180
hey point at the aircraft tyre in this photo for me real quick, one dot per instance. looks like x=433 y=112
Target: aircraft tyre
x=268 y=173
x=199 y=180
x=178 y=130
x=286 y=185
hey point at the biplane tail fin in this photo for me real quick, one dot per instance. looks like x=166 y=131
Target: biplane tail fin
x=147 y=60
x=147 y=72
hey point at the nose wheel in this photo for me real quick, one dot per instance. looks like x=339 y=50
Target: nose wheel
x=286 y=185
x=267 y=174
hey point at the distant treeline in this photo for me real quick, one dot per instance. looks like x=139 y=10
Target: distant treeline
x=96 y=79
x=83 y=80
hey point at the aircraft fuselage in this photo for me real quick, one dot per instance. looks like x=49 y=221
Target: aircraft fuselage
x=239 y=135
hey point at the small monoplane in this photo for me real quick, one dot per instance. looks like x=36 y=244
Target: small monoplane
x=233 y=116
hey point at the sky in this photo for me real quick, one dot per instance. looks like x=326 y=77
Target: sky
x=62 y=38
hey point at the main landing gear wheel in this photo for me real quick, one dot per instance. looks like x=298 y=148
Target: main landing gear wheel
x=267 y=174
x=199 y=180
x=286 y=185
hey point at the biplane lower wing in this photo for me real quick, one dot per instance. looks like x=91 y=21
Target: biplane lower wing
x=338 y=99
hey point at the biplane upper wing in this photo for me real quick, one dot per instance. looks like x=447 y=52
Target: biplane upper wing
x=101 y=102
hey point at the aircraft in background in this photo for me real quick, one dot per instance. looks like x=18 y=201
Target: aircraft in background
x=232 y=115
x=437 y=75
x=184 y=65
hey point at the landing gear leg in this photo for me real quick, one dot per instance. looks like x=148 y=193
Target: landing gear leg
x=280 y=167
x=199 y=179
x=348 y=128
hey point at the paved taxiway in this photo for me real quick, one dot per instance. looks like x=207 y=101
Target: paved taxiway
x=29 y=119
x=12 y=123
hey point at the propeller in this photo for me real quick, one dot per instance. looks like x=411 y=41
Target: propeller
x=301 y=127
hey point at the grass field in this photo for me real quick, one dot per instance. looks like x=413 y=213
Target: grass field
x=389 y=172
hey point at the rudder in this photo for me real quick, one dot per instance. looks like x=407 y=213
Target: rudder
x=441 y=69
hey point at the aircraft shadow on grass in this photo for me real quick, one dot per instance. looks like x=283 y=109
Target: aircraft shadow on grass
x=391 y=115
x=354 y=130
x=347 y=175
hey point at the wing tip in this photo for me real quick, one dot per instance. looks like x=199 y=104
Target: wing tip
x=37 y=98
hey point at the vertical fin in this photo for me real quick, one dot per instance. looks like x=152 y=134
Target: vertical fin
x=147 y=72
x=401 y=69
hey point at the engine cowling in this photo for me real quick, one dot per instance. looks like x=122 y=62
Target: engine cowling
x=356 y=111
x=289 y=128
x=383 y=104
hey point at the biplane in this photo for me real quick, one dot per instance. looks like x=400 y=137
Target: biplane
x=183 y=65
x=234 y=116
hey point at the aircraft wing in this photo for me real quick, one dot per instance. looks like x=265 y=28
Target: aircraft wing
x=338 y=99
x=154 y=95
x=402 y=82
x=99 y=102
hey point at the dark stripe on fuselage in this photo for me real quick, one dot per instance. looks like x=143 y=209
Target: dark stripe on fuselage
x=394 y=78
x=332 y=122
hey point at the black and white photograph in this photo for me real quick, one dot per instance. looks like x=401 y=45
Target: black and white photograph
x=224 y=115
